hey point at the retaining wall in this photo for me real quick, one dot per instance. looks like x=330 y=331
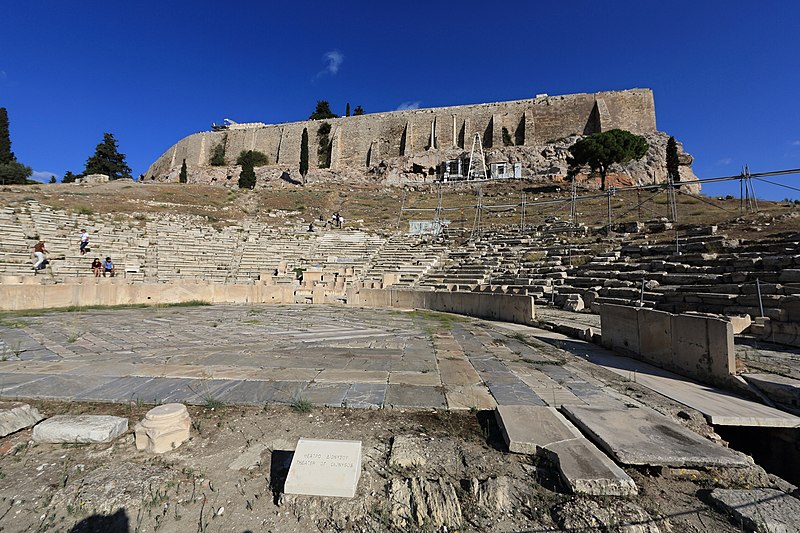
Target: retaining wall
x=20 y=297
x=699 y=347
x=505 y=307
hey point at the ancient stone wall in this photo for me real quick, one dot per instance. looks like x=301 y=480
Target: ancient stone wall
x=363 y=141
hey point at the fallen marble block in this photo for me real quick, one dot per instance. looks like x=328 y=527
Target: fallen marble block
x=15 y=416
x=81 y=429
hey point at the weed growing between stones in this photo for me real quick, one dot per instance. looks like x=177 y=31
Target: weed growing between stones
x=301 y=405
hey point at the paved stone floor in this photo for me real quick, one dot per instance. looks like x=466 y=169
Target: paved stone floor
x=334 y=356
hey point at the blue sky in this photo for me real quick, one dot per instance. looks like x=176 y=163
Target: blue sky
x=726 y=75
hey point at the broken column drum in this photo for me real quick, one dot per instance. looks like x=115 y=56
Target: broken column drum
x=164 y=428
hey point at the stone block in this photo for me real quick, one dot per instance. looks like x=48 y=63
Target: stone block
x=761 y=510
x=164 y=428
x=739 y=323
x=82 y=429
x=655 y=337
x=16 y=415
x=620 y=328
x=527 y=427
x=322 y=467
x=642 y=436
x=587 y=470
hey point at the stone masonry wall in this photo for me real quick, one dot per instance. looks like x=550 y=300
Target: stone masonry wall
x=362 y=141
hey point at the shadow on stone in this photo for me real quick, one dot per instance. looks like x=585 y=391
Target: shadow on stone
x=278 y=470
x=491 y=431
x=115 y=523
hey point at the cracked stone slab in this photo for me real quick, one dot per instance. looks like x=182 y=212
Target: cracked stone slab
x=514 y=393
x=761 y=510
x=544 y=432
x=469 y=397
x=414 y=396
x=366 y=395
x=327 y=394
x=642 y=436
x=262 y=392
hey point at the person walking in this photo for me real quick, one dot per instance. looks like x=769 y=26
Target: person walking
x=84 y=241
x=39 y=250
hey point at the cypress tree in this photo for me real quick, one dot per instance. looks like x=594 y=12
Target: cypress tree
x=6 y=155
x=183 y=177
x=304 y=153
x=11 y=170
x=347 y=110
x=247 y=178
x=672 y=160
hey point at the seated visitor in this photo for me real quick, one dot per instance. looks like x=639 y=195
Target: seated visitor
x=108 y=267
x=96 y=266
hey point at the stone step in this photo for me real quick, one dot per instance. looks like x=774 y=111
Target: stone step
x=544 y=432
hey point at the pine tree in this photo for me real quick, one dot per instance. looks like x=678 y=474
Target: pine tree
x=601 y=150
x=108 y=160
x=218 y=153
x=52 y=179
x=323 y=111
x=6 y=155
x=304 y=153
x=184 y=175
x=358 y=110
x=347 y=110
x=69 y=177
x=247 y=178
x=672 y=160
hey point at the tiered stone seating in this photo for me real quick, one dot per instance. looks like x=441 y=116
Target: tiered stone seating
x=402 y=261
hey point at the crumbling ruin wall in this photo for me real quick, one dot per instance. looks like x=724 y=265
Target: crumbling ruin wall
x=362 y=141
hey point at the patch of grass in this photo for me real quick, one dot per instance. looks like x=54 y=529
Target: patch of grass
x=301 y=405
x=213 y=403
x=83 y=210
x=444 y=320
x=251 y=321
x=189 y=303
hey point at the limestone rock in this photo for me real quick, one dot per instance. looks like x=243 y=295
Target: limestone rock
x=15 y=416
x=493 y=494
x=83 y=429
x=761 y=510
x=406 y=453
x=424 y=503
x=574 y=303
x=623 y=516
x=164 y=428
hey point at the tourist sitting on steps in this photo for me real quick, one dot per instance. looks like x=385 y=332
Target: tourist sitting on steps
x=39 y=250
x=96 y=266
x=108 y=267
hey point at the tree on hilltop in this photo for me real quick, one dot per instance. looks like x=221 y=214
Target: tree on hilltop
x=108 y=160
x=347 y=110
x=11 y=170
x=69 y=177
x=601 y=150
x=323 y=111
x=672 y=160
x=358 y=110
x=6 y=155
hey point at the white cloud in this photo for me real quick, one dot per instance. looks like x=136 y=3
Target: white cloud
x=3 y=75
x=42 y=176
x=725 y=161
x=795 y=143
x=334 y=60
x=406 y=106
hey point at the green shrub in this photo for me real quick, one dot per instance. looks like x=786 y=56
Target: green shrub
x=253 y=157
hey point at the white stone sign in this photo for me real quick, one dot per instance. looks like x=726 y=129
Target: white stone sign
x=325 y=468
